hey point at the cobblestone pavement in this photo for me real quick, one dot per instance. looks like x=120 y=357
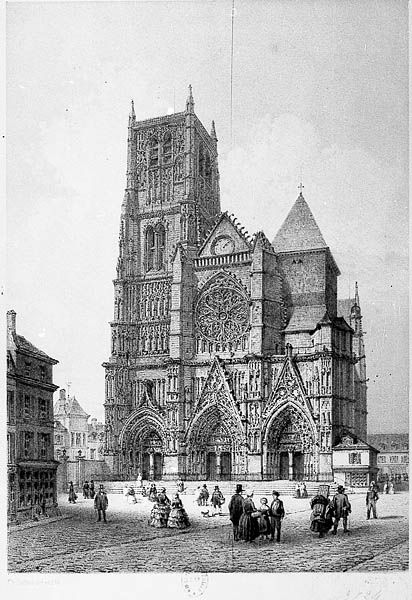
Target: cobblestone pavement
x=127 y=543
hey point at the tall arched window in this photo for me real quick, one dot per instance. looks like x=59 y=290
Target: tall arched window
x=155 y=248
x=167 y=149
x=160 y=245
x=150 y=249
x=153 y=152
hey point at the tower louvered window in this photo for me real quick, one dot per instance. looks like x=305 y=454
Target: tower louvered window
x=155 y=248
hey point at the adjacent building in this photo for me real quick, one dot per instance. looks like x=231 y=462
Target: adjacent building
x=31 y=468
x=73 y=433
x=393 y=459
x=231 y=356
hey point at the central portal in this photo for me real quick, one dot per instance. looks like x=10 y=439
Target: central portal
x=289 y=447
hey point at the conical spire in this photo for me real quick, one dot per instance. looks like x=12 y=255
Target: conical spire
x=190 y=104
x=299 y=230
x=213 y=132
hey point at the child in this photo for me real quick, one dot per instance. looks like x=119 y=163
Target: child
x=264 y=521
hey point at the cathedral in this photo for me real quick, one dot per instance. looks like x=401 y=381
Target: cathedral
x=231 y=356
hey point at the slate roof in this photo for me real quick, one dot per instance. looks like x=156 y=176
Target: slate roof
x=389 y=442
x=70 y=407
x=344 y=308
x=25 y=345
x=356 y=443
x=305 y=318
x=299 y=230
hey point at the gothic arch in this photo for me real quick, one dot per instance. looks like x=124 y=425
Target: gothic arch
x=218 y=433
x=290 y=438
x=143 y=442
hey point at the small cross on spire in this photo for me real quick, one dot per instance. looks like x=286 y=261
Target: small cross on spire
x=300 y=187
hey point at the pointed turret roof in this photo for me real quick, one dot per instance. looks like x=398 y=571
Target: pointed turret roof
x=299 y=230
x=74 y=408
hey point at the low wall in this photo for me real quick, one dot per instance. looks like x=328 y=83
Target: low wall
x=79 y=471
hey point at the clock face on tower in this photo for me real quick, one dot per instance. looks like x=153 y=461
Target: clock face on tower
x=223 y=245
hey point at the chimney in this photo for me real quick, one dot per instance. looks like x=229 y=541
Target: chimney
x=11 y=321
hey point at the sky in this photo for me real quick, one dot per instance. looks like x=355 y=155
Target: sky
x=320 y=92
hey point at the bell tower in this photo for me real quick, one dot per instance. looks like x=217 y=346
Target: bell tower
x=171 y=201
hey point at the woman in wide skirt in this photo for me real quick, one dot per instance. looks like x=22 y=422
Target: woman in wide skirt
x=159 y=514
x=248 y=525
x=178 y=518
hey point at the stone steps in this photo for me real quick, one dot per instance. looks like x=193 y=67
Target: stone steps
x=260 y=488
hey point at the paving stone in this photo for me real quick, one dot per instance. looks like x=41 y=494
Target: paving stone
x=128 y=544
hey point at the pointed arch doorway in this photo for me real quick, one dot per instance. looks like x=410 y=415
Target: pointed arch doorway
x=290 y=446
x=215 y=451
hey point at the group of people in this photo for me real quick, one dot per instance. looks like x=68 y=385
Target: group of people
x=88 y=490
x=300 y=490
x=388 y=487
x=250 y=522
x=216 y=499
x=101 y=501
x=327 y=513
x=166 y=513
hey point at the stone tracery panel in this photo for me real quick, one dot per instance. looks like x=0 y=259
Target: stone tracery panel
x=222 y=311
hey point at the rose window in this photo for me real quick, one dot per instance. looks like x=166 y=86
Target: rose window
x=222 y=314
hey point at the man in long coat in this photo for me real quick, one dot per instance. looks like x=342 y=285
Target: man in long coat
x=101 y=503
x=277 y=512
x=372 y=497
x=235 y=510
x=341 y=509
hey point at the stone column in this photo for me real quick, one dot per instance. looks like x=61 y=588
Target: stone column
x=218 y=466
x=151 y=465
x=63 y=479
x=80 y=470
x=290 y=465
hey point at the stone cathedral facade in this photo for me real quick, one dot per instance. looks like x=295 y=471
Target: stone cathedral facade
x=231 y=356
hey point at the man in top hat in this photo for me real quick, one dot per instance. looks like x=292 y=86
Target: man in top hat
x=235 y=510
x=341 y=508
x=277 y=512
x=101 y=503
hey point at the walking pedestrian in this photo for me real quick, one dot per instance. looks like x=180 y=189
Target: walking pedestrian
x=341 y=509
x=178 y=518
x=101 y=503
x=235 y=510
x=161 y=510
x=152 y=492
x=371 y=498
x=248 y=523
x=72 y=493
x=277 y=513
x=217 y=499
x=391 y=489
x=204 y=495
x=303 y=491
x=297 y=490
x=86 y=489
x=321 y=517
x=91 y=489
x=385 y=487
